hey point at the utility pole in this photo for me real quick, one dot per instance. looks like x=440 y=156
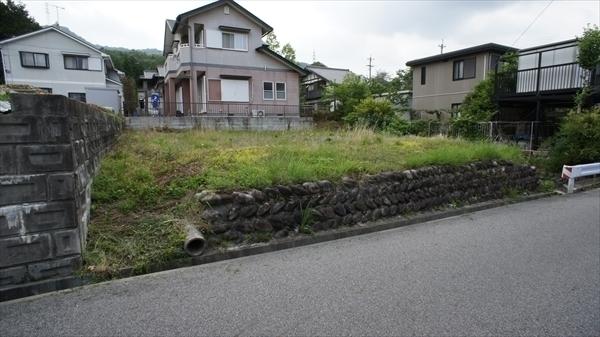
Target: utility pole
x=314 y=56
x=370 y=65
x=442 y=47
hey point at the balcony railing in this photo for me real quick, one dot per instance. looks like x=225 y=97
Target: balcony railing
x=227 y=110
x=534 y=81
x=314 y=94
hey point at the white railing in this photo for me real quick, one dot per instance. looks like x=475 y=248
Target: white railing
x=578 y=171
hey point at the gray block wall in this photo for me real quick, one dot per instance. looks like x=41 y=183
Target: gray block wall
x=50 y=148
x=232 y=123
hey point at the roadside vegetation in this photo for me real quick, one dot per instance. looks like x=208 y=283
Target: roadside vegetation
x=149 y=179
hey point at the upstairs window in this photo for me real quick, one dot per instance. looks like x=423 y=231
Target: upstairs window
x=78 y=96
x=228 y=40
x=76 y=62
x=463 y=69
x=34 y=60
x=423 y=75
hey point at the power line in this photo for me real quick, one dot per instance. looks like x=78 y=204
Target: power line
x=532 y=22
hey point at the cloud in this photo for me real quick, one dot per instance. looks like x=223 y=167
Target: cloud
x=343 y=33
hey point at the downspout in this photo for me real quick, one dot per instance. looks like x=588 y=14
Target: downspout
x=193 y=84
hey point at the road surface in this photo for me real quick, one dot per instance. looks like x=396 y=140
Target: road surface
x=526 y=269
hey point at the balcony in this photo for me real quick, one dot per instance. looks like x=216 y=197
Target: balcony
x=550 y=80
x=314 y=94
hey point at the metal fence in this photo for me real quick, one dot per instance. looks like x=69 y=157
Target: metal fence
x=528 y=135
x=181 y=109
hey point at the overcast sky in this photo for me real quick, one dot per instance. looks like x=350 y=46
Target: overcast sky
x=342 y=33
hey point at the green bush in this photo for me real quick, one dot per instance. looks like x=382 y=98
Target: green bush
x=372 y=113
x=577 y=141
x=466 y=127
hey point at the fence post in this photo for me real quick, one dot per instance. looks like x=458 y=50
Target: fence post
x=429 y=129
x=491 y=133
x=531 y=138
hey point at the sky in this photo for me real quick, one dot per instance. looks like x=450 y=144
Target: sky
x=343 y=34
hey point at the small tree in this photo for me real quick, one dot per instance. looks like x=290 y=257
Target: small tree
x=288 y=52
x=347 y=94
x=271 y=41
x=130 y=100
x=377 y=114
x=588 y=58
x=479 y=104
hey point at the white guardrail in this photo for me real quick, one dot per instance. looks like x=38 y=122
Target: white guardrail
x=578 y=171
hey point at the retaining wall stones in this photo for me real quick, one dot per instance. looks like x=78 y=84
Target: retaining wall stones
x=322 y=205
x=207 y=122
x=50 y=148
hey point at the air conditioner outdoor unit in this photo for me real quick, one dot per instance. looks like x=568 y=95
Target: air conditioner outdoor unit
x=258 y=113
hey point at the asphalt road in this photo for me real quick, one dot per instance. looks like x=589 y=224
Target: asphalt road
x=526 y=269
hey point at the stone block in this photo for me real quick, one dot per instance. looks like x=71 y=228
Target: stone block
x=55 y=130
x=39 y=105
x=61 y=186
x=44 y=158
x=22 y=189
x=20 y=129
x=67 y=242
x=11 y=220
x=48 y=216
x=14 y=275
x=8 y=160
x=24 y=249
x=54 y=268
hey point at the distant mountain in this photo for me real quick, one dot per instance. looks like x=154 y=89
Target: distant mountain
x=149 y=51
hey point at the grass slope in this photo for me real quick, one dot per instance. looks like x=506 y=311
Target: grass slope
x=150 y=178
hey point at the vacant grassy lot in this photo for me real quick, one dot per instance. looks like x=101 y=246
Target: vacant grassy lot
x=149 y=179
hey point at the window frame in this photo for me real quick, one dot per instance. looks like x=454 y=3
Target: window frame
x=455 y=76
x=232 y=40
x=278 y=91
x=423 y=75
x=272 y=91
x=78 y=93
x=77 y=56
x=47 y=66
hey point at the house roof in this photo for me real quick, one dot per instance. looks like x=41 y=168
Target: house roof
x=59 y=29
x=549 y=45
x=266 y=50
x=182 y=17
x=329 y=74
x=488 y=47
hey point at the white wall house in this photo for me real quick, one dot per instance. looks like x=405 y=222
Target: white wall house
x=55 y=59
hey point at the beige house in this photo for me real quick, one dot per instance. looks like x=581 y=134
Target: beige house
x=216 y=63
x=441 y=82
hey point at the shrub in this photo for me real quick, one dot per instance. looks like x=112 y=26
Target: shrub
x=377 y=114
x=466 y=127
x=577 y=141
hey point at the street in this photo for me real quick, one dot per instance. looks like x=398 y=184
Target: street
x=531 y=268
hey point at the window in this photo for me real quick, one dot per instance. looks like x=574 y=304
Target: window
x=47 y=90
x=228 y=40
x=268 y=90
x=423 y=75
x=280 y=91
x=214 y=90
x=463 y=69
x=233 y=90
x=76 y=62
x=455 y=109
x=78 y=96
x=34 y=60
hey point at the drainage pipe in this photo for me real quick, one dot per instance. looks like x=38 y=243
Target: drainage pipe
x=194 y=243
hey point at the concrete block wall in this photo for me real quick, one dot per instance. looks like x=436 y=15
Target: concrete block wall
x=50 y=148
x=231 y=123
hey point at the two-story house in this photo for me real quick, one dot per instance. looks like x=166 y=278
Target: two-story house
x=441 y=82
x=216 y=63
x=542 y=83
x=60 y=62
x=314 y=83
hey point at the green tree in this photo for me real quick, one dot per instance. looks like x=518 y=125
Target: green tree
x=272 y=42
x=377 y=114
x=347 y=94
x=14 y=21
x=479 y=104
x=379 y=83
x=288 y=52
x=133 y=62
x=403 y=80
x=318 y=64
x=588 y=58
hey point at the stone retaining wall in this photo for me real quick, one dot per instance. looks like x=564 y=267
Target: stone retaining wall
x=50 y=148
x=322 y=205
x=236 y=123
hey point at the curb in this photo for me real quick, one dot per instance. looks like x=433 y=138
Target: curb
x=281 y=244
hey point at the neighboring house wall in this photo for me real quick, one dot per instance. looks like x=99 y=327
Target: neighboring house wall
x=440 y=91
x=56 y=77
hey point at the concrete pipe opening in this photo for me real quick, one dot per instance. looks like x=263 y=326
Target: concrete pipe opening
x=194 y=243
